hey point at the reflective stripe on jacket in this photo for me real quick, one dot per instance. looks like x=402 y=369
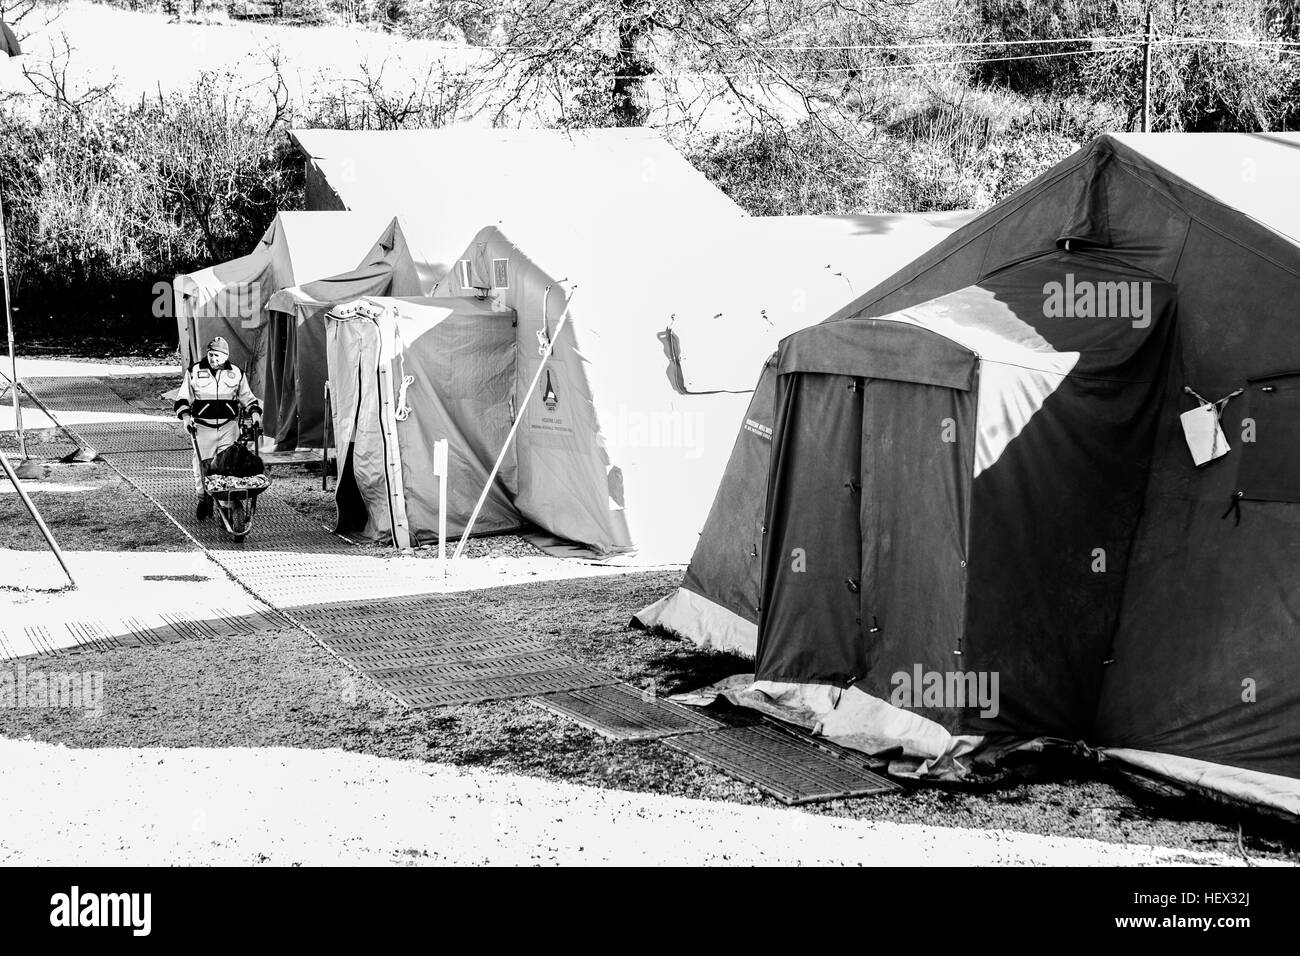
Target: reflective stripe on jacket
x=214 y=398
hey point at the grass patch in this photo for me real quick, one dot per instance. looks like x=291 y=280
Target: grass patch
x=87 y=507
x=134 y=388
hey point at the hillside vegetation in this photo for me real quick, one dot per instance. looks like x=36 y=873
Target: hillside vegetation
x=807 y=106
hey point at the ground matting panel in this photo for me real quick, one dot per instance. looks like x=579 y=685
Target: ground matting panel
x=503 y=685
x=377 y=659
x=76 y=394
x=167 y=476
x=110 y=437
x=435 y=652
x=428 y=652
x=623 y=712
x=792 y=767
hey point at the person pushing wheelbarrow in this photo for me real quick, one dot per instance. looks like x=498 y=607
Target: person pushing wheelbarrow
x=213 y=398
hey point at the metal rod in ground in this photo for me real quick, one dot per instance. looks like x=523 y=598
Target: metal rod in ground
x=84 y=452
x=9 y=327
x=514 y=426
x=36 y=516
x=325 y=443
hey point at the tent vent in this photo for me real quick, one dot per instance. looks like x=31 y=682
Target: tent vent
x=500 y=273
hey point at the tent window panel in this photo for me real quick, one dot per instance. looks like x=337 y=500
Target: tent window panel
x=1269 y=469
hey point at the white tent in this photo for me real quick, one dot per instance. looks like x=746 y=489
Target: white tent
x=404 y=373
x=230 y=299
x=445 y=184
x=658 y=336
x=296 y=363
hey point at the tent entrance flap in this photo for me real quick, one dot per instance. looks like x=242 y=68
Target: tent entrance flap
x=405 y=375
x=867 y=516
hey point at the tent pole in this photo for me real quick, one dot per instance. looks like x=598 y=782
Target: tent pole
x=9 y=327
x=514 y=427
x=325 y=442
x=36 y=516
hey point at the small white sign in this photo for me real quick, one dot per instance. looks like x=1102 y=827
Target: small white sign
x=1205 y=439
x=440 y=457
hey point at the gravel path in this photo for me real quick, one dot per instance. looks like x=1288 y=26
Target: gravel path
x=279 y=806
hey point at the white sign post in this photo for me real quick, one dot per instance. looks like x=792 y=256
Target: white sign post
x=440 y=469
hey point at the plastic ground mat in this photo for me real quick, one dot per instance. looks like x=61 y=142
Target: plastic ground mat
x=623 y=712
x=791 y=766
x=433 y=652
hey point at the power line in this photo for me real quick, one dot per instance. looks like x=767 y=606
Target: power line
x=890 y=67
x=831 y=47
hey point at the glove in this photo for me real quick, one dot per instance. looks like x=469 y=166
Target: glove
x=189 y=424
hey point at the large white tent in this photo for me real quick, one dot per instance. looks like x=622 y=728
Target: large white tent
x=446 y=184
x=622 y=442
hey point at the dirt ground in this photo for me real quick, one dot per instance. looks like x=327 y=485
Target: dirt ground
x=87 y=507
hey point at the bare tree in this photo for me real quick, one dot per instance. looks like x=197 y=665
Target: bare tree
x=760 y=54
x=51 y=79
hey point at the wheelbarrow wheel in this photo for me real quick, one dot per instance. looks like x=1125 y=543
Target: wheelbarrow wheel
x=236 y=515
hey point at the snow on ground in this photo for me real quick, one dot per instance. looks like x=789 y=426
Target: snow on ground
x=150 y=53
x=121 y=591
x=310 y=578
x=64 y=368
x=118 y=593
x=279 y=806
x=33 y=417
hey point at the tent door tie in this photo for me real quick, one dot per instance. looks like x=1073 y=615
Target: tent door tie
x=1234 y=509
x=853 y=486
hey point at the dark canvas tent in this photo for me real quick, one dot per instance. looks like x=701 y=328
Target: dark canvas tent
x=1064 y=540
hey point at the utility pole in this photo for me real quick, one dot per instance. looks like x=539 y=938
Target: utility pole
x=1146 y=76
